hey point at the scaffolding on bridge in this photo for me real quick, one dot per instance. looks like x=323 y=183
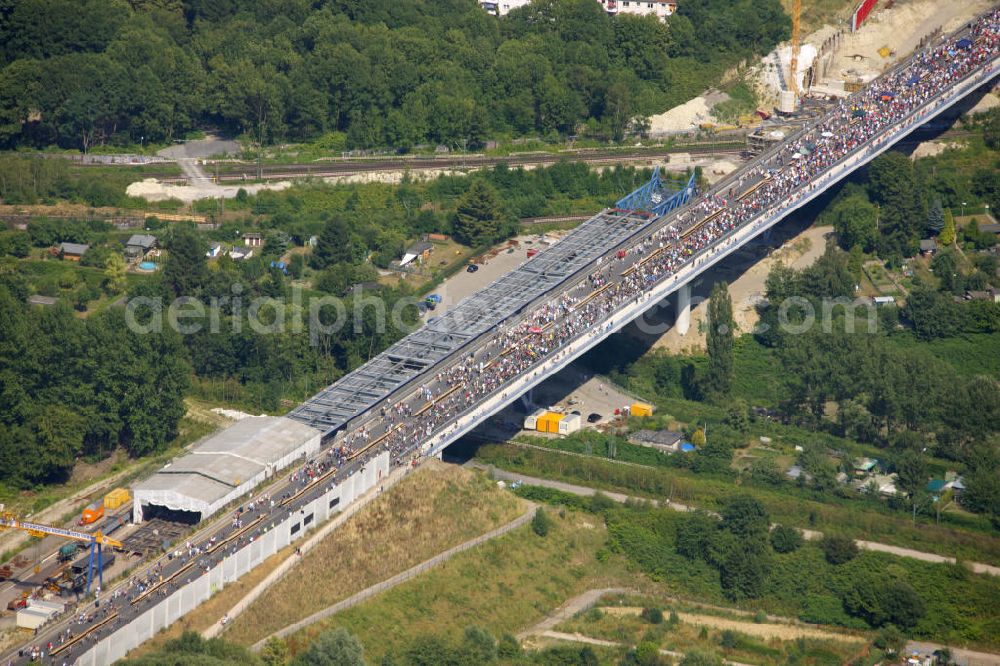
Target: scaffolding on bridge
x=357 y=392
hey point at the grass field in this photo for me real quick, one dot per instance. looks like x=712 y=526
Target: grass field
x=437 y=507
x=505 y=585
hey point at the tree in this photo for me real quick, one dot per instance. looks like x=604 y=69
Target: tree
x=652 y=615
x=479 y=218
x=945 y=267
x=695 y=533
x=114 y=273
x=911 y=469
x=647 y=653
x=335 y=647
x=935 y=218
x=891 y=640
x=838 y=549
x=698 y=437
x=275 y=652
x=786 y=539
x=719 y=379
x=947 y=235
x=540 y=523
x=334 y=245
x=745 y=516
x=854 y=221
x=744 y=568
x=185 y=271
x=895 y=186
x=479 y=645
x=738 y=416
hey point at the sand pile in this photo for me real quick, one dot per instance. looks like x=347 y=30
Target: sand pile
x=682 y=118
x=151 y=189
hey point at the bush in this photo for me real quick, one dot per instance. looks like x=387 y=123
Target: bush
x=824 y=609
x=540 y=523
x=838 y=549
x=729 y=640
x=652 y=615
x=647 y=653
x=700 y=658
x=785 y=539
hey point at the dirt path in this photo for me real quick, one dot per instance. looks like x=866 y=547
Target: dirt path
x=577 y=604
x=785 y=632
x=585 y=491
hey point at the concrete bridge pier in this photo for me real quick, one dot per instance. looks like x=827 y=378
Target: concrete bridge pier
x=683 y=320
x=528 y=399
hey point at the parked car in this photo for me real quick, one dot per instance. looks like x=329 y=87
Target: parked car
x=472 y=268
x=594 y=417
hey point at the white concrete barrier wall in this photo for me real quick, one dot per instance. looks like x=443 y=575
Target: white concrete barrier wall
x=233 y=566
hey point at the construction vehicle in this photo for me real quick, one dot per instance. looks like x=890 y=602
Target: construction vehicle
x=67 y=551
x=92 y=513
x=97 y=541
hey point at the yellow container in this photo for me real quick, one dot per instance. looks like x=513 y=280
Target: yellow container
x=549 y=422
x=641 y=409
x=116 y=498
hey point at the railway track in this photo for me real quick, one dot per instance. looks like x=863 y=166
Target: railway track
x=240 y=171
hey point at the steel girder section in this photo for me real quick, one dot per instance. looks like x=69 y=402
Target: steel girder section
x=358 y=391
x=658 y=196
x=678 y=199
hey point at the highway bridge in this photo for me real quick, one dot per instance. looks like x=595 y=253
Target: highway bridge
x=437 y=384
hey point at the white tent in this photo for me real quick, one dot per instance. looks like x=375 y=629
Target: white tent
x=226 y=466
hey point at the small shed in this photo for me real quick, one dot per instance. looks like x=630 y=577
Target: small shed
x=138 y=245
x=253 y=240
x=73 y=251
x=667 y=441
x=928 y=246
x=214 y=251
x=531 y=420
x=419 y=252
x=549 y=422
x=569 y=424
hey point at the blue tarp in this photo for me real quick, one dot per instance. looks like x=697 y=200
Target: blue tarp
x=964 y=43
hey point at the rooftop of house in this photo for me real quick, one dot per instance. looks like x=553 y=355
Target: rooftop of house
x=73 y=248
x=144 y=241
x=662 y=437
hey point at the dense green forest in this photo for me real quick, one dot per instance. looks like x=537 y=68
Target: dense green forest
x=72 y=388
x=384 y=72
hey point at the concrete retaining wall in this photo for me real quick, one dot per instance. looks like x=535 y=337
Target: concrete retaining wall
x=196 y=590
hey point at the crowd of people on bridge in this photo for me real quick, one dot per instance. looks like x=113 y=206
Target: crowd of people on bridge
x=869 y=117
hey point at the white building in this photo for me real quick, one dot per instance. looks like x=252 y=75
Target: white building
x=659 y=8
